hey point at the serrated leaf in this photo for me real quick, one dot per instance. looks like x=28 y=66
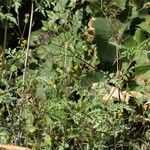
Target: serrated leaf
x=119 y=3
x=48 y=139
x=137 y=3
x=64 y=2
x=142 y=59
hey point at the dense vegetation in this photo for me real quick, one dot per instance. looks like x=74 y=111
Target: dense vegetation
x=74 y=74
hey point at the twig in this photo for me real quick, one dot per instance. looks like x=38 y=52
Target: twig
x=118 y=66
x=28 y=43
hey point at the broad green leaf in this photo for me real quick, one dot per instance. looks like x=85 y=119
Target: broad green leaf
x=130 y=42
x=139 y=36
x=104 y=30
x=142 y=70
x=144 y=75
x=92 y=78
x=106 y=27
x=146 y=24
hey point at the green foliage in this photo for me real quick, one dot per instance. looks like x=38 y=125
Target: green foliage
x=77 y=50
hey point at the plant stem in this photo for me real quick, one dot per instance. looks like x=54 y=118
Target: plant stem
x=28 y=44
x=23 y=100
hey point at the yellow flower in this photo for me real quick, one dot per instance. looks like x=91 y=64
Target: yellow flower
x=23 y=43
x=146 y=106
x=75 y=67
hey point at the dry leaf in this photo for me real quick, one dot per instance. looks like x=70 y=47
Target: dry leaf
x=13 y=147
x=136 y=94
x=125 y=96
x=90 y=27
x=90 y=34
x=114 y=93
